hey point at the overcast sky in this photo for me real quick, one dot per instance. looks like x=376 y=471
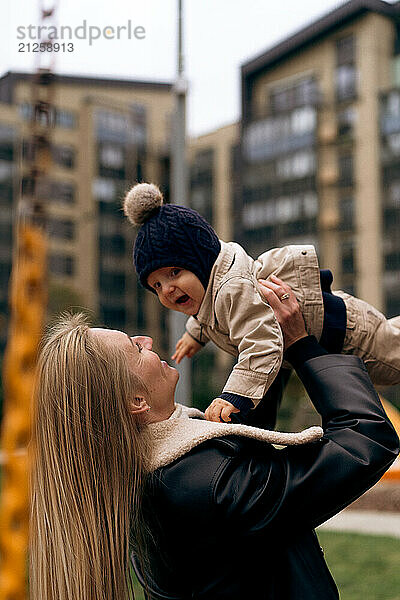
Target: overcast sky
x=219 y=35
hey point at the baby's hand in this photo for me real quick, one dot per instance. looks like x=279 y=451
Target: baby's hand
x=186 y=346
x=219 y=410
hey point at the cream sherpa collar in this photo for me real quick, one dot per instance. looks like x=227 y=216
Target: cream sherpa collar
x=187 y=427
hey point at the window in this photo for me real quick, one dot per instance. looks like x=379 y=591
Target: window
x=392 y=103
x=58 y=191
x=347 y=256
x=138 y=120
x=5 y=271
x=6 y=142
x=346 y=208
x=64 y=156
x=6 y=193
x=345 y=50
x=281 y=100
x=303 y=120
x=391 y=219
x=393 y=143
x=65 y=119
x=392 y=293
x=302 y=92
x=272 y=212
x=61 y=264
x=201 y=179
x=28 y=150
x=259 y=214
x=390 y=118
x=25 y=111
x=346 y=120
x=392 y=261
x=310 y=205
x=63 y=229
x=306 y=92
x=200 y=200
x=115 y=317
x=113 y=244
x=6 y=170
x=296 y=166
x=112 y=283
x=394 y=194
x=346 y=169
x=63 y=192
x=288 y=209
x=274 y=136
x=6 y=233
x=48 y=115
x=346 y=82
x=109 y=226
x=202 y=167
x=112 y=126
x=104 y=189
x=346 y=72
x=111 y=156
x=111 y=161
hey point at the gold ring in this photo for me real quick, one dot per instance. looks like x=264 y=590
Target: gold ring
x=285 y=296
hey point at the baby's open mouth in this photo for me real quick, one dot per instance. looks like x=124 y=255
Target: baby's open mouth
x=182 y=299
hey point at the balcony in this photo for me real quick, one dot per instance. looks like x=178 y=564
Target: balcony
x=272 y=137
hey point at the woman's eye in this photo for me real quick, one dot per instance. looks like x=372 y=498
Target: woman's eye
x=139 y=346
x=156 y=285
x=174 y=272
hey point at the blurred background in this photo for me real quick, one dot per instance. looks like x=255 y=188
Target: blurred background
x=293 y=136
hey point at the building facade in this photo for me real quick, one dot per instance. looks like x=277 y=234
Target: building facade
x=106 y=135
x=213 y=184
x=213 y=177
x=320 y=148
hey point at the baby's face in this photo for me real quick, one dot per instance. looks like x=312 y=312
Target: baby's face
x=177 y=289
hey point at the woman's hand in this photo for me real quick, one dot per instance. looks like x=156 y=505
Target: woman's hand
x=283 y=302
x=219 y=410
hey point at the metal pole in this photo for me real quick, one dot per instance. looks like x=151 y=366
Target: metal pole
x=179 y=196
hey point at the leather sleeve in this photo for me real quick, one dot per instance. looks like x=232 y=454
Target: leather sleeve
x=306 y=485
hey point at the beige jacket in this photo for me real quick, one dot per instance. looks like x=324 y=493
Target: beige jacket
x=235 y=316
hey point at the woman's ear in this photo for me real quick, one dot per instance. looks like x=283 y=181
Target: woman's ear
x=138 y=405
x=145 y=340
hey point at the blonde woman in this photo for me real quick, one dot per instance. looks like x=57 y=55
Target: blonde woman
x=208 y=510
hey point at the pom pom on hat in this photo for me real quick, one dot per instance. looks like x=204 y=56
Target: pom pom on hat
x=141 y=202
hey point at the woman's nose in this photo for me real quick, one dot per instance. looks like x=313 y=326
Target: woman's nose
x=145 y=340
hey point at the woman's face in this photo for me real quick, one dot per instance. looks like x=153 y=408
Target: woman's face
x=159 y=378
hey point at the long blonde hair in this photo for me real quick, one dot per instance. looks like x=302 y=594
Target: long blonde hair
x=89 y=459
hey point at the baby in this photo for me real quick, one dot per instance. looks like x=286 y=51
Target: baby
x=179 y=257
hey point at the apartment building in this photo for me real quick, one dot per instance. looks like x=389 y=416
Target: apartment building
x=213 y=177
x=320 y=147
x=106 y=134
x=213 y=185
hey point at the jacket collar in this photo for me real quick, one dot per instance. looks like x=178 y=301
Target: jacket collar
x=225 y=259
x=186 y=428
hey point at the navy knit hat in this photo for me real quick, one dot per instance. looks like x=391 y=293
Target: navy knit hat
x=169 y=236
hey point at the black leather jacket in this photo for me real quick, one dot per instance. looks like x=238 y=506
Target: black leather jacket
x=234 y=518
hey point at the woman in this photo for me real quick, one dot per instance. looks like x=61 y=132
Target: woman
x=211 y=511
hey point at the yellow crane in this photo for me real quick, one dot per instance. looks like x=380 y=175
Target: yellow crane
x=28 y=303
